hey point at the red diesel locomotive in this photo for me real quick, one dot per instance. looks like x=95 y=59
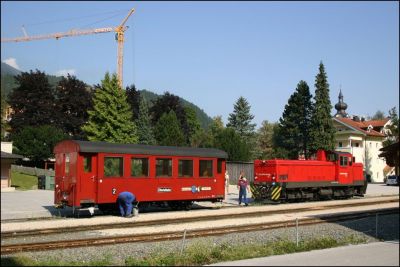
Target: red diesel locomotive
x=331 y=175
x=92 y=174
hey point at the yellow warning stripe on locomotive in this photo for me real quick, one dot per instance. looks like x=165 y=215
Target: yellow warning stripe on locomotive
x=276 y=193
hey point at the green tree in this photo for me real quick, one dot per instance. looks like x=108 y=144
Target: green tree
x=168 y=131
x=295 y=123
x=231 y=142
x=4 y=124
x=393 y=127
x=206 y=138
x=111 y=117
x=73 y=100
x=133 y=98
x=37 y=143
x=379 y=115
x=277 y=146
x=265 y=140
x=144 y=126
x=322 y=131
x=32 y=101
x=240 y=119
x=165 y=104
x=192 y=122
x=202 y=138
x=216 y=126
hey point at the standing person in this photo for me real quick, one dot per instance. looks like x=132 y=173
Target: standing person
x=243 y=186
x=125 y=200
x=227 y=182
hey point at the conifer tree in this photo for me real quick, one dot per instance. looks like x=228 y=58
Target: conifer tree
x=295 y=123
x=168 y=131
x=322 y=131
x=111 y=117
x=240 y=119
x=144 y=126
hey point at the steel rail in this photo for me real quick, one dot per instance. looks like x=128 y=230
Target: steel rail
x=173 y=235
x=165 y=221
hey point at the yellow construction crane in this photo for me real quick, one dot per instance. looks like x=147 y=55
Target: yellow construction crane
x=120 y=30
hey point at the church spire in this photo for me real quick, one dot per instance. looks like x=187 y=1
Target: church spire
x=341 y=107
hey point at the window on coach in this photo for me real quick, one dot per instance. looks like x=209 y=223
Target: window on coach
x=163 y=167
x=185 y=168
x=206 y=168
x=139 y=167
x=113 y=166
x=87 y=164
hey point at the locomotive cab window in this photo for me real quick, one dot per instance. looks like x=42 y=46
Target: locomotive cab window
x=185 y=168
x=206 y=168
x=163 y=167
x=139 y=167
x=113 y=166
x=343 y=161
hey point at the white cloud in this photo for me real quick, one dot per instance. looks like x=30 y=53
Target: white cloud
x=65 y=72
x=12 y=62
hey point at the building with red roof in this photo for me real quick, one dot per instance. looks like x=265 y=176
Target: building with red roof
x=363 y=138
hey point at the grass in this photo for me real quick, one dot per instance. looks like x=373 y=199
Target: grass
x=199 y=253
x=23 y=181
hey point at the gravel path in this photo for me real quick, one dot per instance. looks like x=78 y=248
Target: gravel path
x=388 y=229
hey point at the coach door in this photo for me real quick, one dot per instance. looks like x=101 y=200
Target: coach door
x=89 y=177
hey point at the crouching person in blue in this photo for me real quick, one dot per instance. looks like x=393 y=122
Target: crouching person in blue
x=125 y=200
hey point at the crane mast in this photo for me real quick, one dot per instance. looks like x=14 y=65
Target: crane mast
x=120 y=31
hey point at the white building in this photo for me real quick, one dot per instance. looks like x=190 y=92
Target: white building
x=363 y=139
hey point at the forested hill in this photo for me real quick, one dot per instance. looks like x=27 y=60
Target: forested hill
x=7 y=69
x=8 y=83
x=203 y=118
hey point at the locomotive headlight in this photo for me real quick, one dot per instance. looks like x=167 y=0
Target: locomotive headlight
x=273 y=183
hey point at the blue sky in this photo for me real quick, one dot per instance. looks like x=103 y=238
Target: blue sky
x=211 y=53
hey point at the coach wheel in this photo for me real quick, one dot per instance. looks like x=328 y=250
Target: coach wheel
x=188 y=205
x=174 y=205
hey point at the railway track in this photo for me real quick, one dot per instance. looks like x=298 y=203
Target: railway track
x=173 y=235
x=168 y=221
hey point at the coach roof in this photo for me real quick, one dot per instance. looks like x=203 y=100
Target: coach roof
x=96 y=147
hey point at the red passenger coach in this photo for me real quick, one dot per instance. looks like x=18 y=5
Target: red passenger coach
x=90 y=174
x=331 y=175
